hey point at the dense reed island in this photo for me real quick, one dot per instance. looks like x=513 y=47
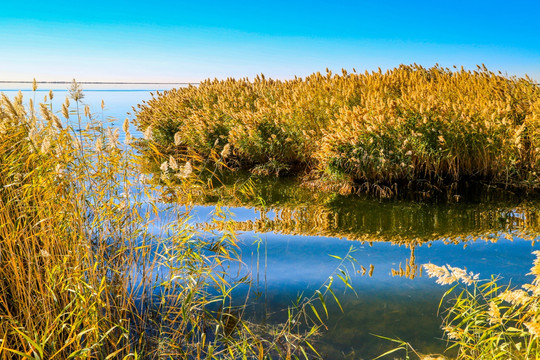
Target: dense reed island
x=409 y=127
x=85 y=274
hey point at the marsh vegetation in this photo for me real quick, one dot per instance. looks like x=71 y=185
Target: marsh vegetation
x=101 y=258
x=90 y=269
x=407 y=128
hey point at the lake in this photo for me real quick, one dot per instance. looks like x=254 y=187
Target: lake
x=290 y=237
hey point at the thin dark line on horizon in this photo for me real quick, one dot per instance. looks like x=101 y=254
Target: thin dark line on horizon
x=100 y=82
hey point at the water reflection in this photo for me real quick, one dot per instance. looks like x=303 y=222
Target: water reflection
x=284 y=207
x=298 y=231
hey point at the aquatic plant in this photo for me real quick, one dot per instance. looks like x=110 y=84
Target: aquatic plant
x=483 y=319
x=375 y=132
x=486 y=320
x=85 y=274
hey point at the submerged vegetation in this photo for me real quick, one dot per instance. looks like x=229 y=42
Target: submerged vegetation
x=410 y=127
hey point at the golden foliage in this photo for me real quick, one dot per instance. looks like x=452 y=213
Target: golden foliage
x=409 y=123
x=80 y=276
x=486 y=320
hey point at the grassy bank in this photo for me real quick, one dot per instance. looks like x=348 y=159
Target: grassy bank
x=376 y=132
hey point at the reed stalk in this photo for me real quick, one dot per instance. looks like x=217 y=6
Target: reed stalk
x=85 y=274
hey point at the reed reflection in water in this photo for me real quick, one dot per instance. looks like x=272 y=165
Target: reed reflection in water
x=298 y=231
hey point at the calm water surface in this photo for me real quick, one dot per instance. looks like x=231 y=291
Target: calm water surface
x=287 y=245
x=486 y=234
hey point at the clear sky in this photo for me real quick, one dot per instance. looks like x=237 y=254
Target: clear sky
x=164 y=40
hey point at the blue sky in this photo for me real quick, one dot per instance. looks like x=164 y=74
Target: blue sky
x=190 y=41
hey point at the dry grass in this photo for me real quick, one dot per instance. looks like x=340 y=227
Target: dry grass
x=375 y=131
x=486 y=320
x=85 y=274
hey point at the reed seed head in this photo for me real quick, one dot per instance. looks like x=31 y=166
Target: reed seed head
x=164 y=167
x=56 y=121
x=172 y=163
x=148 y=133
x=46 y=145
x=98 y=146
x=494 y=314
x=226 y=152
x=65 y=111
x=534 y=328
x=177 y=138
x=76 y=91
x=112 y=137
x=125 y=126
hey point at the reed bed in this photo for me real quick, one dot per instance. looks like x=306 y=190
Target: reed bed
x=376 y=132
x=90 y=269
x=484 y=319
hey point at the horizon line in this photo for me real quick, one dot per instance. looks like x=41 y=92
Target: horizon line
x=117 y=82
x=98 y=82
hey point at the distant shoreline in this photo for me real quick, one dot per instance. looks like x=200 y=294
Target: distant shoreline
x=100 y=82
